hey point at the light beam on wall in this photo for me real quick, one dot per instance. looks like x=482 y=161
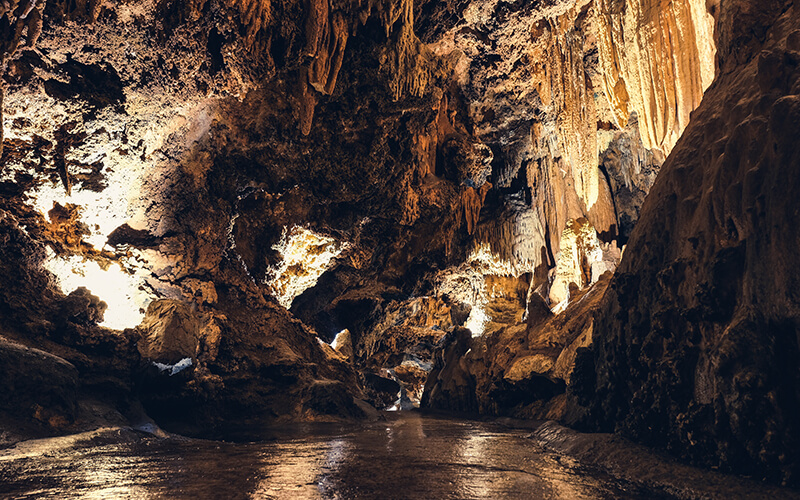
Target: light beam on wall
x=116 y=287
x=305 y=256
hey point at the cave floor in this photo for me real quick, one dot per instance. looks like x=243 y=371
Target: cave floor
x=403 y=455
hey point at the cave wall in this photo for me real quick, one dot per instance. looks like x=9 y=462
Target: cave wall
x=696 y=345
x=657 y=59
x=110 y=175
x=693 y=345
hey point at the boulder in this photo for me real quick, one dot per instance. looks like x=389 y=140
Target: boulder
x=83 y=308
x=37 y=388
x=252 y=366
x=170 y=332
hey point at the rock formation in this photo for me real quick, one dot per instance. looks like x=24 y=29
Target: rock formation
x=699 y=345
x=657 y=59
x=693 y=345
x=520 y=370
x=39 y=390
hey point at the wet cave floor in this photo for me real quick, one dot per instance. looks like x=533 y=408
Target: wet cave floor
x=404 y=455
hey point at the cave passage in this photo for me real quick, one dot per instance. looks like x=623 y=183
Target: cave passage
x=399 y=248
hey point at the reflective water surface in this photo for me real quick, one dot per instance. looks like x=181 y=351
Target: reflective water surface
x=406 y=456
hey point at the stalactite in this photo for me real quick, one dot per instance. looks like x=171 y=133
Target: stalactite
x=411 y=67
x=17 y=17
x=328 y=56
x=473 y=200
x=657 y=59
x=255 y=15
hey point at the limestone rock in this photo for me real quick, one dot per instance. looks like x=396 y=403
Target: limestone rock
x=412 y=375
x=695 y=346
x=408 y=328
x=381 y=391
x=582 y=261
x=631 y=169
x=657 y=59
x=523 y=367
x=37 y=388
x=81 y=306
x=343 y=344
x=170 y=332
x=253 y=365
x=449 y=385
x=521 y=370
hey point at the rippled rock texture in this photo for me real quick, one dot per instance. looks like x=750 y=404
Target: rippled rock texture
x=697 y=342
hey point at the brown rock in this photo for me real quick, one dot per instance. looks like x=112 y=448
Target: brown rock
x=343 y=344
x=381 y=391
x=82 y=307
x=254 y=365
x=538 y=310
x=661 y=77
x=413 y=378
x=519 y=370
x=37 y=389
x=170 y=332
x=695 y=346
x=449 y=385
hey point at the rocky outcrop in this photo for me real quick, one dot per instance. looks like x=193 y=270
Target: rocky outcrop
x=170 y=332
x=250 y=362
x=253 y=365
x=61 y=373
x=520 y=370
x=125 y=152
x=584 y=258
x=38 y=391
x=696 y=343
x=399 y=347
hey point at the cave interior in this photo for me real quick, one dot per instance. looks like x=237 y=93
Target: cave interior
x=221 y=215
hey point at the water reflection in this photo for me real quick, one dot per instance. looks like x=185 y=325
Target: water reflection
x=406 y=456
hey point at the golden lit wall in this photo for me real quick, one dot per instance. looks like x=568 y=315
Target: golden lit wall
x=657 y=59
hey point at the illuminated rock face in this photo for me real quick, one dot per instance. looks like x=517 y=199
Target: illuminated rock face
x=692 y=346
x=657 y=58
x=107 y=184
x=536 y=156
x=304 y=257
x=170 y=332
x=583 y=260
